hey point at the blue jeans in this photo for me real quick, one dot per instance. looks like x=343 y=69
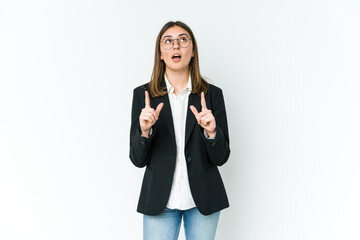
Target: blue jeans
x=166 y=226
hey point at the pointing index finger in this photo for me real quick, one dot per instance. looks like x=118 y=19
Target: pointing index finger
x=203 y=102
x=147 y=100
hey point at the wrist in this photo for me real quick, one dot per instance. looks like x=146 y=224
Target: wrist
x=145 y=133
x=210 y=134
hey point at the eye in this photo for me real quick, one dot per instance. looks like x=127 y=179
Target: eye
x=168 y=40
x=183 y=39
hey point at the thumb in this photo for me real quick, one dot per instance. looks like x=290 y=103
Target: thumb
x=158 y=109
x=194 y=110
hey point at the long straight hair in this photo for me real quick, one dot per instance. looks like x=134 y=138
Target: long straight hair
x=199 y=84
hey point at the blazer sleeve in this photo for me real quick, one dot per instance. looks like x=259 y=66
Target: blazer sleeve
x=218 y=148
x=140 y=147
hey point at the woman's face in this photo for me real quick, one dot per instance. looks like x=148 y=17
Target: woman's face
x=185 y=53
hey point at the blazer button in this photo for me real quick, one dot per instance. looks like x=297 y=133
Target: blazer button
x=189 y=159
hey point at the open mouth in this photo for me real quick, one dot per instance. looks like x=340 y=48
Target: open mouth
x=176 y=56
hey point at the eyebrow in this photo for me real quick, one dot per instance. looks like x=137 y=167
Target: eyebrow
x=178 y=36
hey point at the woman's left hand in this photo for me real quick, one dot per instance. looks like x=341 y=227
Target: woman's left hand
x=205 y=118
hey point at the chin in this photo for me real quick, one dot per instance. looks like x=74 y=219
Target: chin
x=178 y=68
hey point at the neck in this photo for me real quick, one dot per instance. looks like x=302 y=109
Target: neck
x=177 y=79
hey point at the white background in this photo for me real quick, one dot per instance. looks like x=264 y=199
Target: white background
x=290 y=73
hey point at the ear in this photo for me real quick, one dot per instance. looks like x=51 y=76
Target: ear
x=192 y=54
x=161 y=57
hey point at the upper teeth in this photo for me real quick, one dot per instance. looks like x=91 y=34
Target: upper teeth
x=176 y=55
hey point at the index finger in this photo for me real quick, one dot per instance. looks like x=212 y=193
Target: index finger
x=147 y=100
x=203 y=103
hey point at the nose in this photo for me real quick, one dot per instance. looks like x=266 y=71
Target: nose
x=176 y=44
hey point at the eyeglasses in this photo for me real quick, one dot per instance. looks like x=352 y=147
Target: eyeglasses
x=168 y=42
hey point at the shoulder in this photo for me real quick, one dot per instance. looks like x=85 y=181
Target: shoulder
x=141 y=89
x=214 y=90
x=215 y=96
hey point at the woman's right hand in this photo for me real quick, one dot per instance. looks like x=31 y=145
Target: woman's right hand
x=148 y=116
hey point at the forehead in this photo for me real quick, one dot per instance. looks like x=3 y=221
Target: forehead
x=174 y=31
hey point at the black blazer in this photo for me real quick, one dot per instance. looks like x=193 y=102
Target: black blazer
x=158 y=153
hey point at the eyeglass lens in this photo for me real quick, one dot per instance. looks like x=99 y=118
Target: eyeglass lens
x=168 y=42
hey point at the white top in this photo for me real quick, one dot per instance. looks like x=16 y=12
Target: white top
x=180 y=195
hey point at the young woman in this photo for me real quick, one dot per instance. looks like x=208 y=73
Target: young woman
x=179 y=132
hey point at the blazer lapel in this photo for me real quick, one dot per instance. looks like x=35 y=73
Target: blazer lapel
x=166 y=110
x=167 y=115
x=190 y=117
